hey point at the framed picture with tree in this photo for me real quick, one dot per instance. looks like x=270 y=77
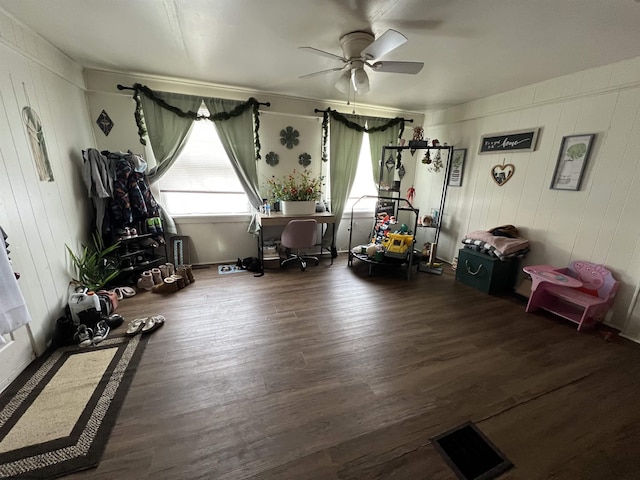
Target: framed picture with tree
x=572 y=160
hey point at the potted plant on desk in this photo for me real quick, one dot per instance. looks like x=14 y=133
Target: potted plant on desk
x=297 y=192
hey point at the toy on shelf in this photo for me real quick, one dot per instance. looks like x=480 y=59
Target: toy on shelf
x=411 y=193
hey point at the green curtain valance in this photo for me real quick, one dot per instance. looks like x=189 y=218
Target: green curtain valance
x=337 y=116
x=252 y=103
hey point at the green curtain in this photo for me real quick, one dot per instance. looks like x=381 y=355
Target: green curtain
x=167 y=134
x=237 y=137
x=344 y=150
x=377 y=140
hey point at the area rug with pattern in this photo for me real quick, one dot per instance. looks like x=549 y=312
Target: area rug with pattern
x=56 y=417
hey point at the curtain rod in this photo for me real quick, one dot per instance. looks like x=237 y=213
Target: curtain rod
x=317 y=110
x=122 y=87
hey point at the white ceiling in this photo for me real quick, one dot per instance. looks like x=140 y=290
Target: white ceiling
x=471 y=48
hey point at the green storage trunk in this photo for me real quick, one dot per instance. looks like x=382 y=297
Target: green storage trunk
x=486 y=273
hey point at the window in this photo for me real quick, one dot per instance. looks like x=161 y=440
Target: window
x=363 y=184
x=202 y=180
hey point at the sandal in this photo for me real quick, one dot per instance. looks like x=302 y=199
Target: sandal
x=153 y=323
x=135 y=326
x=127 y=292
x=117 y=292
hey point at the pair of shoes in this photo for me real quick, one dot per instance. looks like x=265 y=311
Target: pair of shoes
x=102 y=330
x=167 y=270
x=153 y=323
x=144 y=325
x=123 y=292
x=157 y=276
x=168 y=285
x=148 y=243
x=83 y=336
x=186 y=272
x=126 y=265
x=146 y=280
x=180 y=281
x=189 y=270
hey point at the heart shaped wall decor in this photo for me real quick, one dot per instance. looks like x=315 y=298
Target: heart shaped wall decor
x=502 y=173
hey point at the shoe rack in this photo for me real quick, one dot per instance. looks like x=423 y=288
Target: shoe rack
x=139 y=252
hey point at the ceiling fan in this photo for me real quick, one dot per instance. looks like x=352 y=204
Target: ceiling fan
x=360 y=50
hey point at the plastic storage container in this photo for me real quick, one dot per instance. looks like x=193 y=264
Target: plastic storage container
x=80 y=302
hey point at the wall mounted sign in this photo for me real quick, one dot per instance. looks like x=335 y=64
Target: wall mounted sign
x=516 y=141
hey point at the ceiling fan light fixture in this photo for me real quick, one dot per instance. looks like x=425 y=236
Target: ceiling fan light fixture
x=342 y=84
x=360 y=80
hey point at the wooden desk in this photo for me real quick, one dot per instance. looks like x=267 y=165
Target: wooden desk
x=279 y=219
x=549 y=273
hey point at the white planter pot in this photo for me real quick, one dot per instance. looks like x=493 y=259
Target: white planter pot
x=298 y=208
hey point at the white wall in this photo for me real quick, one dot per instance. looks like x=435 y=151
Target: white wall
x=40 y=217
x=219 y=240
x=599 y=223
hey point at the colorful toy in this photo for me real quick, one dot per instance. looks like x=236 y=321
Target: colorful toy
x=411 y=192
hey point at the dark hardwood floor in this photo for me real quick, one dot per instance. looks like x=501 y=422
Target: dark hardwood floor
x=334 y=374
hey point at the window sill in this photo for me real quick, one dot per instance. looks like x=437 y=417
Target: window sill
x=212 y=218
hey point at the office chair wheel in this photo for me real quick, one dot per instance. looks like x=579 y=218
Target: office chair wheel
x=303 y=265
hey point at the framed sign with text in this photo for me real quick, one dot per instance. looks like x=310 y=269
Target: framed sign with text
x=516 y=141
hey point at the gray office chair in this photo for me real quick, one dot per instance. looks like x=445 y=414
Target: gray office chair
x=296 y=235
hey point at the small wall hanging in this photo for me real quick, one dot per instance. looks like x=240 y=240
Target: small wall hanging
x=289 y=137
x=105 y=123
x=35 y=134
x=502 y=173
x=272 y=159
x=427 y=157
x=390 y=163
x=304 y=159
x=457 y=167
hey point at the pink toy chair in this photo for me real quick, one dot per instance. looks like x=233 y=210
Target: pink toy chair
x=584 y=305
x=300 y=234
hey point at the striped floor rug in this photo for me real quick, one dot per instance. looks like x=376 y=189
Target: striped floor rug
x=56 y=417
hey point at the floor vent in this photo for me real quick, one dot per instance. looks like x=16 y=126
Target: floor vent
x=470 y=454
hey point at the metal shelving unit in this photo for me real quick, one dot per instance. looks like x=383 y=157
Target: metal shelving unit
x=390 y=201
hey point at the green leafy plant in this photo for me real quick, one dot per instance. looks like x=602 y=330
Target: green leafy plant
x=296 y=186
x=576 y=151
x=94 y=267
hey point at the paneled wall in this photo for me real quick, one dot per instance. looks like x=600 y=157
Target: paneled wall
x=599 y=223
x=41 y=216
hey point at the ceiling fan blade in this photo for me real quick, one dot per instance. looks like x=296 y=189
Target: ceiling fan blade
x=389 y=40
x=321 y=72
x=397 y=67
x=323 y=53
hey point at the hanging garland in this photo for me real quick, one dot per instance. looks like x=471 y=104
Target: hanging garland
x=348 y=123
x=325 y=135
x=220 y=116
